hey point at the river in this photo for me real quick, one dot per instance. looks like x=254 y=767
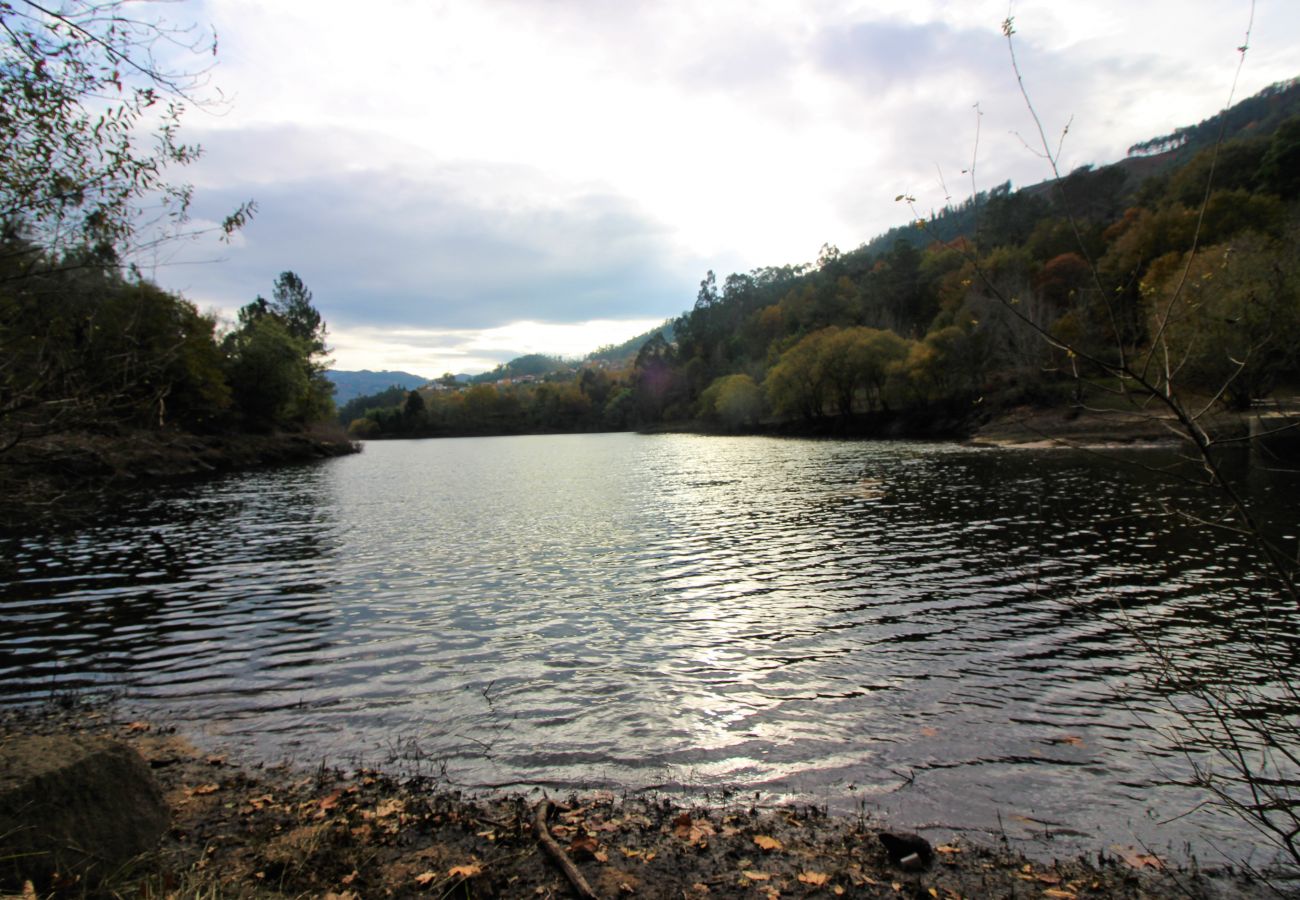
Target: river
x=952 y=637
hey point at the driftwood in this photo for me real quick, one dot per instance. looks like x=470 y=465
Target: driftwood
x=557 y=854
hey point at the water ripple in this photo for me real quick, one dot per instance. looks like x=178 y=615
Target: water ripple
x=942 y=632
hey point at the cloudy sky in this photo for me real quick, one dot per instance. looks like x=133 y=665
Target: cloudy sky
x=463 y=181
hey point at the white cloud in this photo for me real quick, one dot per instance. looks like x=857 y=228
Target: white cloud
x=468 y=163
x=432 y=352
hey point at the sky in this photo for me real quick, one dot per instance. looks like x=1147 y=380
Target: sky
x=460 y=182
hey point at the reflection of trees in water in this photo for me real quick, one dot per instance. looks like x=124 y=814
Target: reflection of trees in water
x=179 y=584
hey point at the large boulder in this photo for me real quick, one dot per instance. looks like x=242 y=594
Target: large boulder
x=78 y=806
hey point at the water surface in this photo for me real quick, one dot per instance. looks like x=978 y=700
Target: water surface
x=944 y=634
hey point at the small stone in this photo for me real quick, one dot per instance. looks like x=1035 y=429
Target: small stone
x=906 y=850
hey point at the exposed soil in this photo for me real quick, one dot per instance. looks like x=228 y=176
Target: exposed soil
x=245 y=831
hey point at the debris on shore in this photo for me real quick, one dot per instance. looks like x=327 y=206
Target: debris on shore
x=254 y=831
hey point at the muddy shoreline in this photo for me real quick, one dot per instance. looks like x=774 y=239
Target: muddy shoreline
x=68 y=477
x=245 y=830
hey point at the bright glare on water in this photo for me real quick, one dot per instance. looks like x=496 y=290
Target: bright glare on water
x=944 y=634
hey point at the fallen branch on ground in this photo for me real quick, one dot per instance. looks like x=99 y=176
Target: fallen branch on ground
x=557 y=854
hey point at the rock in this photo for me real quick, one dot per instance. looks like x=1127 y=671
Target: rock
x=906 y=850
x=74 y=805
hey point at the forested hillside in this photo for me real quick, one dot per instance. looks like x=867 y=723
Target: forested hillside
x=1032 y=296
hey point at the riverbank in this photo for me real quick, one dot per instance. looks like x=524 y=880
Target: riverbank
x=250 y=831
x=58 y=475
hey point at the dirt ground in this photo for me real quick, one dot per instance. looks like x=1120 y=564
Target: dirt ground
x=247 y=831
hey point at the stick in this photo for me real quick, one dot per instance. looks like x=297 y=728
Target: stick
x=557 y=854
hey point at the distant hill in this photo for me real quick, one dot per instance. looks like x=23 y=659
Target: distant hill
x=350 y=385
x=531 y=364
x=627 y=351
x=540 y=364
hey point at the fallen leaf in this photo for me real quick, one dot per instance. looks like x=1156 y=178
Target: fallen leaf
x=934 y=894
x=468 y=871
x=331 y=801
x=1072 y=739
x=135 y=727
x=389 y=807
x=1058 y=894
x=1049 y=878
x=838 y=891
x=947 y=849
x=816 y=879
x=767 y=844
x=757 y=876
x=348 y=879
x=600 y=856
x=1139 y=860
x=585 y=844
x=692 y=831
x=424 y=878
x=203 y=789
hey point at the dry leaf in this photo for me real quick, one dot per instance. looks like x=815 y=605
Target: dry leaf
x=1139 y=860
x=816 y=879
x=585 y=844
x=947 y=849
x=468 y=871
x=348 y=879
x=1058 y=894
x=838 y=891
x=600 y=856
x=331 y=801
x=756 y=876
x=203 y=789
x=424 y=878
x=135 y=727
x=1049 y=878
x=695 y=831
x=934 y=894
x=389 y=807
x=766 y=843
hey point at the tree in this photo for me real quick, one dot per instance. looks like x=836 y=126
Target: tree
x=275 y=359
x=89 y=129
x=267 y=373
x=797 y=384
x=1232 y=331
x=291 y=301
x=733 y=400
x=90 y=123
